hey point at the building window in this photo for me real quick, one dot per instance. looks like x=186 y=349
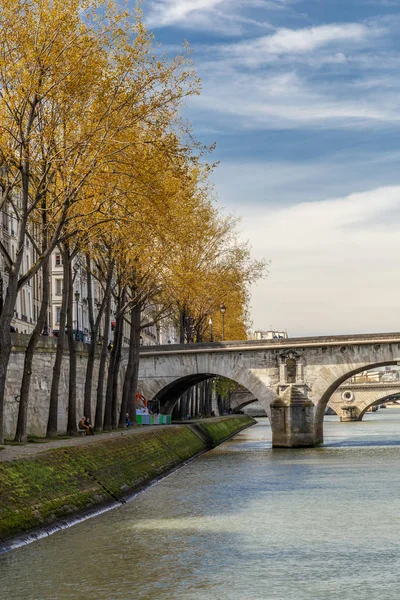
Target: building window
x=58 y=260
x=58 y=314
x=58 y=287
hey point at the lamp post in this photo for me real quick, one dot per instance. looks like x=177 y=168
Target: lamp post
x=210 y=322
x=222 y=308
x=77 y=315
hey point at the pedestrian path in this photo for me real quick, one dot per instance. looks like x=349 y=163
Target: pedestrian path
x=10 y=452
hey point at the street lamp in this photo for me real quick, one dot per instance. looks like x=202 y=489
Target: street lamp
x=77 y=315
x=211 y=330
x=222 y=308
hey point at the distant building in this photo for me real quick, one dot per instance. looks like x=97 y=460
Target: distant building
x=381 y=374
x=269 y=335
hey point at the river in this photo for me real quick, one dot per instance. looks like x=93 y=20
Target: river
x=243 y=522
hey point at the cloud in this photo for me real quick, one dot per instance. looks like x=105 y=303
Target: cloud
x=271 y=183
x=168 y=12
x=229 y=17
x=250 y=100
x=331 y=263
x=327 y=76
x=299 y=41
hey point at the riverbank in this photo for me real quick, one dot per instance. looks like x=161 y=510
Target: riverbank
x=57 y=485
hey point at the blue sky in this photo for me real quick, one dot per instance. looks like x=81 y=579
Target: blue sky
x=303 y=101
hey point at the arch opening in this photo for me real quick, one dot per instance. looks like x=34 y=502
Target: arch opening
x=199 y=394
x=322 y=404
x=354 y=393
x=378 y=403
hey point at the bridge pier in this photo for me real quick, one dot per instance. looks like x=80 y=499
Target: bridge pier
x=349 y=413
x=293 y=420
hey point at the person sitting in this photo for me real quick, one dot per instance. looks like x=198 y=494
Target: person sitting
x=128 y=422
x=84 y=424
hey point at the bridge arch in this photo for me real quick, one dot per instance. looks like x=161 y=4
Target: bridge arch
x=342 y=378
x=240 y=399
x=169 y=391
x=167 y=385
x=376 y=403
x=352 y=400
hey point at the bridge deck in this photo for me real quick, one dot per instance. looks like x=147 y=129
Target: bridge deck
x=251 y=345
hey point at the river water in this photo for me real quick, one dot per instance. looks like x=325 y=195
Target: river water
x=243 y=522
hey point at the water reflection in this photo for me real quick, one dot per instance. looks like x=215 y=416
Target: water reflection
x=242 y=522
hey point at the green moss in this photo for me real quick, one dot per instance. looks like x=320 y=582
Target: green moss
x=222 y=429
x=50 y=486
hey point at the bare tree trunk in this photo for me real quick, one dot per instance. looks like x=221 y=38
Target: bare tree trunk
x=72 y=416
x=108 y=410
x=183 y=408
x=115 y=374
x=196 y=403
x=21 y=433
x=208 y=398
x=7 y=312
x=134 y=349
x=182 y=326
x=98 y=423
x=128 y=374
x=176 y=411
x=52 y=422
x=201 y=399
x=193 y=390
x=5 y=350
x=87 y=403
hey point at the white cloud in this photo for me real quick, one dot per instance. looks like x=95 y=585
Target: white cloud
x=293 y=41
x=229 y=17
x=333 y=267
x=168 y=12
x=262 y=183
x=332 y=75
x=250 y=100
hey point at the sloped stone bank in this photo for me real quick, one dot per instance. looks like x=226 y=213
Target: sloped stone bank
x=56 y=485
x=221 y=430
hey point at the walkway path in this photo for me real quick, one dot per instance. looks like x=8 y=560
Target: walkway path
x=9 y=452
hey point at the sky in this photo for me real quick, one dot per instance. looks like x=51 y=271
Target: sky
x=303 y=101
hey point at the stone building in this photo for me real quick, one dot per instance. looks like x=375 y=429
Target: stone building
x=29 y=298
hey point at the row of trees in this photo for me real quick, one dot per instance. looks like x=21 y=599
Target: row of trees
x=95 y=159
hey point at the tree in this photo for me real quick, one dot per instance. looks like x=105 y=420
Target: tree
x=76 y=81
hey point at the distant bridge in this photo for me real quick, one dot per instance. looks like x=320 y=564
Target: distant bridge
x=293 y=379
x=350 y=401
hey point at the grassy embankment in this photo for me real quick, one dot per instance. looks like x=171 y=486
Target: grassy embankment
x=57 y=484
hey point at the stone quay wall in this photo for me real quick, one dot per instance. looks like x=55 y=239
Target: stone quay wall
x=42 y=373
x=50 y=490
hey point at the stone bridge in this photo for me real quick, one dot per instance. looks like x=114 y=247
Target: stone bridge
x=293 y=379
x=352 y=400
